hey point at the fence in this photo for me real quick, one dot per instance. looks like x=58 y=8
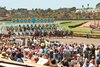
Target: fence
x=33 y=20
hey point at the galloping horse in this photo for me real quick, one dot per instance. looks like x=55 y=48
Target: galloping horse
x=61 y=33
x=49 y=34
x=7 y=35
x=36 y=34
x=92 y=26
x=70 y=33
x=44 y=33
x=40 y=34
x=0 y=36
x=55 y=33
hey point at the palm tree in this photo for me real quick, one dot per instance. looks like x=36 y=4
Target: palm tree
x=88 y=6
x=82 y=6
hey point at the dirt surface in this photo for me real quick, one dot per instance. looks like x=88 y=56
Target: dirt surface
x=1 y=22
x=69 y=39
x=76 y=39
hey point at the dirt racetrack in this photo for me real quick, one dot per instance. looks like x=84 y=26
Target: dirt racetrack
x=76 y=39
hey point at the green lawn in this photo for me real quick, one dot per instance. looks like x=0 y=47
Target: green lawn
x=66 y=24
x=83 y=30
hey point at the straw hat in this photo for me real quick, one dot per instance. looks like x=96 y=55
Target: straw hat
x=42 y=44
x=4 y=54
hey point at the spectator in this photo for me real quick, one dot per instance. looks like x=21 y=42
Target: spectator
x=19 y=56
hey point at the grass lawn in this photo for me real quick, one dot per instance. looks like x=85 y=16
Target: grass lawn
x=66 y=24
x=83 y=30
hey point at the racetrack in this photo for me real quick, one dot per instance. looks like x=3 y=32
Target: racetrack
x=90 y=22
x=68 y=39
x=76 y=39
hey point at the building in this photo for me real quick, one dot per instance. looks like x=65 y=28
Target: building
x=98 y=6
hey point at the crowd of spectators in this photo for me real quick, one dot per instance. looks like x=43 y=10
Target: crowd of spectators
x=57 y=53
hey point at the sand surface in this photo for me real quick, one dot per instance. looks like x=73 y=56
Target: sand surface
x=76 y=39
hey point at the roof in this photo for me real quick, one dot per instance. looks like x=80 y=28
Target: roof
x=98 y=6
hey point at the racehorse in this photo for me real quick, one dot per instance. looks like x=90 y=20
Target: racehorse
x=64 y=33
x=44 y=33
x=55 y=33
x=7 y=35
x=49 y=34
x=92 y=26
x=36 y=34
x=70 y=33
x=0 y=36
x=61 y=33
x=40 y=34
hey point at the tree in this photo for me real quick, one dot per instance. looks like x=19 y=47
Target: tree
x=88 y=6
x=82 y=6
x=73 y=9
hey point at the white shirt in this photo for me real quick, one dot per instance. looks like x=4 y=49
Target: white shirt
x=84 y=48
x=70 y=48
x=35 y=41
x=91 y=65
x=41 y=50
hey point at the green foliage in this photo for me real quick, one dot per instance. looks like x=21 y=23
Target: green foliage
x=58 y=14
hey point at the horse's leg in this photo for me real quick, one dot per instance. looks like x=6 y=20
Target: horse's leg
x=49 y=35
x=72 y=35
x=61 y=35
x=66 y=35
x=44 y=35
x=9 y=35
x=0 y=37
x=56 y=35
x=37 y=35
x=53 y=35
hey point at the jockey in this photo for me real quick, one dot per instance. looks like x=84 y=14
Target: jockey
x=42 y=31
x=55 y=30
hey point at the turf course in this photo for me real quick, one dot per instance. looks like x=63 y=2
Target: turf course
x=79 y=29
